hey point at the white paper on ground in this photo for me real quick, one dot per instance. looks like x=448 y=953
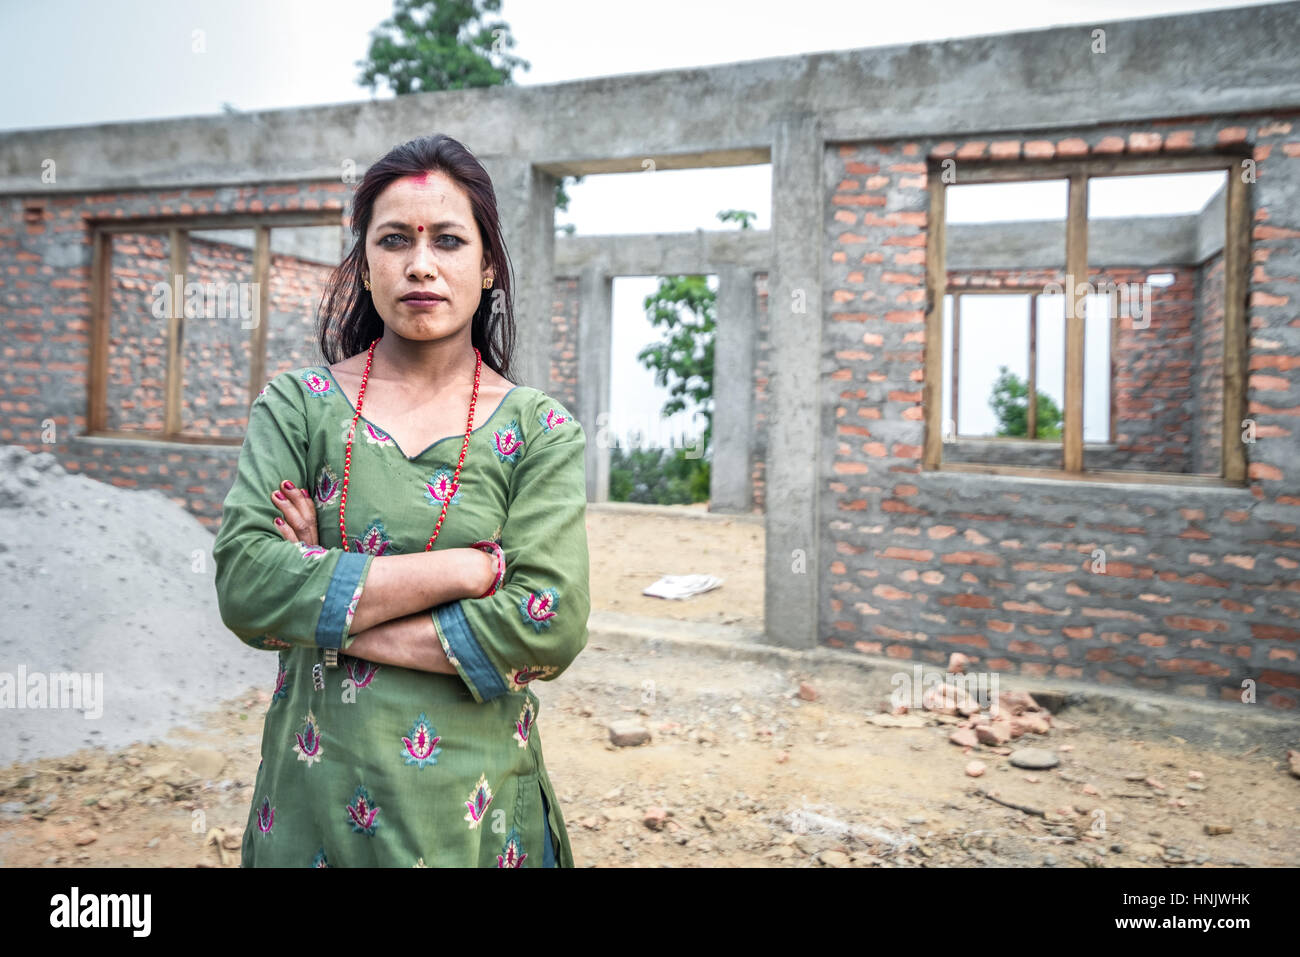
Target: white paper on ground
x=682 y=586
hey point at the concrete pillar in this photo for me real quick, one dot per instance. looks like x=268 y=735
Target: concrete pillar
x=731 y=483
x=526 y=200
x=595 y=319
x=794 y=561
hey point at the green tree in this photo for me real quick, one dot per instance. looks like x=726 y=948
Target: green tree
x=1010 y=403
x=742 y=216
x=429 y=45
x=683 y=307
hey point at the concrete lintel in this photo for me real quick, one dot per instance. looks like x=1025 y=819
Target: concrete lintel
x=702 y=252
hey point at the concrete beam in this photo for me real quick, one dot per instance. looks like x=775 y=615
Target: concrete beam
x=1210 y=63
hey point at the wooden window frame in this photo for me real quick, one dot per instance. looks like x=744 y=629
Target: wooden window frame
x=178 y=229
x=1236 y=254
x=1032 y=293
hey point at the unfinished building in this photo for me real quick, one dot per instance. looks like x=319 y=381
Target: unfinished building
x=1141 y=526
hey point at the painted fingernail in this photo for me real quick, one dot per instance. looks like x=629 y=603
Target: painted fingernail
x=303 y=491
x=277 y=495
x=288 y=484
x=279 y=521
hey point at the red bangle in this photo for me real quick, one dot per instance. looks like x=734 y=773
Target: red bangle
x=494 y=548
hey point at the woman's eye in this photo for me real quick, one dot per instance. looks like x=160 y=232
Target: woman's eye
x=454 y=240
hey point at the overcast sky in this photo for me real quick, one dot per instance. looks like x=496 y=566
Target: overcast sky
x=64 y=63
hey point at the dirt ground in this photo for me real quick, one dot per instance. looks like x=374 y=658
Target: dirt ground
x=739 y=770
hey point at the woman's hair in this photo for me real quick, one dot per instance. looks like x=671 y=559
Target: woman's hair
x=348 y=320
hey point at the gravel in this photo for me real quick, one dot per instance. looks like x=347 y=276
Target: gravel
x=118 y=584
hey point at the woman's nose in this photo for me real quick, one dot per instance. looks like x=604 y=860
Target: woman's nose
x=422 y=264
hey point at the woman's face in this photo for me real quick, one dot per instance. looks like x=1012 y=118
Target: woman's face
x=423 y=238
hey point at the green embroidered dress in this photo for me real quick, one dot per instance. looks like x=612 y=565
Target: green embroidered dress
x=375 y=765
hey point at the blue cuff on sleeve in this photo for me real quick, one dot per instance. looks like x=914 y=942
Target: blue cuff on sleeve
x=467 y=650
x=347 y=575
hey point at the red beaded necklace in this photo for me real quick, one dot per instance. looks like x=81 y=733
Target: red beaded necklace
x=347 y=460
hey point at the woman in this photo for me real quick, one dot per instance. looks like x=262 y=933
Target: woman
x=407 y=529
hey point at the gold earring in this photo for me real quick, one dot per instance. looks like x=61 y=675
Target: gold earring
x=366 y=283
x=487 y=282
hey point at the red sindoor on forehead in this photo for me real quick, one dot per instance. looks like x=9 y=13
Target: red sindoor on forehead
x=421 y=179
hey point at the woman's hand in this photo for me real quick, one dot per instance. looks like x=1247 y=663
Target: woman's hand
x=299 y=511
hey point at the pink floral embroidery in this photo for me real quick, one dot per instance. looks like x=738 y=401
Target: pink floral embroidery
x=520 y=677
x=308 y=745
x=365 y=430
x=478 y=802
x=509 y=446
x=327 y=486
x=316 y=384
x=360 y=672
x=373 y=435
x=553 y=418
x=512 y=855
x=538 y=608
x=524 y=724
x=440 y=487
x=420 y=744
x=312 y=551
x=281 y=675
x=266 y=816
x=374 y=540
x=363 y=813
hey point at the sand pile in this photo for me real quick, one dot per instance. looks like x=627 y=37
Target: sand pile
x=115 y=586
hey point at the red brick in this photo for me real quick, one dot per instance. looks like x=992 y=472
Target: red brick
x=1188 y=622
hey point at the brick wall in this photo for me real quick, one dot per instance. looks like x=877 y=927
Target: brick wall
x=564 y=343
x=45 y=265
x=216 y=346
x=1199 y=591
x=1155 y=396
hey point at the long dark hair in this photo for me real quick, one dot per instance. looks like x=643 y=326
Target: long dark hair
x=348 y=321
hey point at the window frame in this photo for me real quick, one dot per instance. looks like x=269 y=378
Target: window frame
x=178 y=229
x=1236 y=254
x=1031 y=294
